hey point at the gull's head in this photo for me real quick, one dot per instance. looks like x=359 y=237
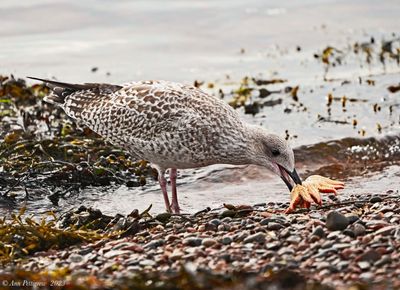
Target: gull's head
x=273 y=152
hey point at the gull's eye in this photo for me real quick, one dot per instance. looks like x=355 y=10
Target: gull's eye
x=275 y=152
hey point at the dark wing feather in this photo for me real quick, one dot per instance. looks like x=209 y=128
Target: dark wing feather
x=61 y=90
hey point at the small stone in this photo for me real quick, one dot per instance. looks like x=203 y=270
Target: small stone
x=294 y=239
x=228 y=213
x=359 y=230
x=383 y=261
x=147 y=262
x=314 y=238
x=226 y=220
x=349 y=232
x=258 y=238
x=319 y=232
x=273 y=226
x=114 y=253
x=286 y=251
x=377 y=224
x=208 y=242
x=341 y=246
x=210 y=227
x=192 y=242
x=342 y=265
x=336 y=221
x=375 y=199
x=368 y=276
x=154 y=244
x=226 y=240
x=364 y=265
x=322 y=265
x=216 y=222
x=369 y=256
x=273 y=246
x=284 y=233
x=385 y=231
x=352 y=218
x=75 y=258
x=175 y=256
x=223 y=227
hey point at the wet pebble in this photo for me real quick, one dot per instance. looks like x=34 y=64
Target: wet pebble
x=319 y=231
x=147 y=262
x=336 y=221
x=364 y=265
x=258 y=238
x=359 y=230
x=192 y=242
x=75 y=258
x=208 y=242
x=273 y=226
x=375 y=199
x=369 y=256
x=154 y=244
x=226 y=240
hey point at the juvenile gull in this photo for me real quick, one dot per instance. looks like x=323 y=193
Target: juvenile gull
x=173 y=126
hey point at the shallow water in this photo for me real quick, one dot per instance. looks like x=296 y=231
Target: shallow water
x=178 y=41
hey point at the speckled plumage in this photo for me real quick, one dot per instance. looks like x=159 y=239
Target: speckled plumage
x=173 y=126
x=166 y=123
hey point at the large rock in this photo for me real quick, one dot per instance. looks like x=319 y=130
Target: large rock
x=336 y=221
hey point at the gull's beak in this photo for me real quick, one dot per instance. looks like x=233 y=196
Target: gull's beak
x=289 y=177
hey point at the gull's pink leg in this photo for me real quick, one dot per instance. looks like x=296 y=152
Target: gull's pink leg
x=163 y=184
x=172 y=177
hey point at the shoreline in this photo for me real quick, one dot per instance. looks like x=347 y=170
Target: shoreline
x=255 y=243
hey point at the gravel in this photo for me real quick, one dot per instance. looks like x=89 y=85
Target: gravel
x=316 y=244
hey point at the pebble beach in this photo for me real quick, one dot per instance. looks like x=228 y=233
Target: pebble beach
x=80 y=213
x=346 y=244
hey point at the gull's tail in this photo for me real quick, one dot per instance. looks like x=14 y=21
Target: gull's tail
x=60 y=90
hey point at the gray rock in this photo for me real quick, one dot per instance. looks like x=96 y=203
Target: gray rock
x=352 y=218
x=349 y=233
x=336 y=221
x=327 y=244
x=375 y=199
x=367 y=276
x=114 y=253
x=226 y=240
x=256 y=238
x=273 y=246
x=216 y=222
x=75 y=258
x=284 y=233
x=364 y=265
x=286 y=251
x=333 y=235
x=273 y=226
x=147 y=262
x=383 y=261
x=154 y=244
x=341 y=246
x=226 y=220
x=322 y=265
x=359 y=230
x=294 y=239
x=319 y=232
x=343 y=265
x=210 y=227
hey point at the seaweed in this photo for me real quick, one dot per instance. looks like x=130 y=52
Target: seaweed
x=39 y=142
x=21 y=236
